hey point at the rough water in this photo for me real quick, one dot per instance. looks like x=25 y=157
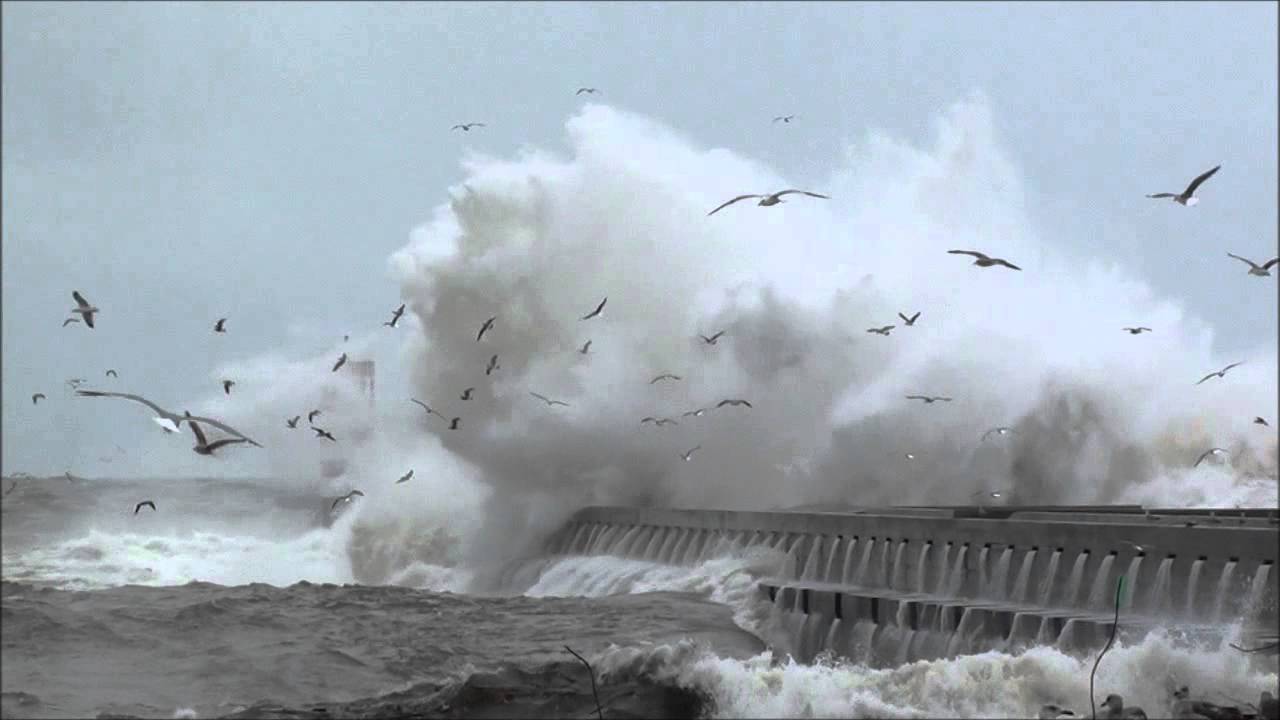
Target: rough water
x=233 y=598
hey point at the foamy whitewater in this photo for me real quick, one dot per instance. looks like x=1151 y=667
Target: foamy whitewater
x=442 y=577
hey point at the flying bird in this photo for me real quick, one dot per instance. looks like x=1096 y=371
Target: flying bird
x=169 y=420
x=466 y=127
x=466 y=394
x=548 y=400
x=664 y=376
x=1002 y=430
x=1185 y=197
x=995 y=494
x=769 y=200
x=1136 y=330
x=485 y=327
x=1221 y=373
x=113 y=373
x=83 y=308
x=695 y=413
x=595 y=313
x=711 y=340
x=144 y=503
x=395 y=316
x=881 y=330
x=405 y=477
x=453 y=424
x=909 y=320
x=311 y=416
x=226 y=386
x=1207 y=453
x=689 y=455
x=322 y=433
x=1141 y=549
x=293 y=423
x=1260 y=421
x=587 y=90
x=984 y=260
x=929 y=399
x=1263 y=270
x=203 y=446
x=735 y=403
x=345 y=498
x=586 y=348
x=68 y=321
x=493 y=365
x=341 y=361
x=69 y=476
x=35 y=399
x=784 y=118
x=12 y=487
x=664 y=421
x=220 y=326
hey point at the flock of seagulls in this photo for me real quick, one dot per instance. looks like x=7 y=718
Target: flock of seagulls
x=85 y=313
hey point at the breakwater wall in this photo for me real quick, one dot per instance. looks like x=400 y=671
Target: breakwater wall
x=888 y=585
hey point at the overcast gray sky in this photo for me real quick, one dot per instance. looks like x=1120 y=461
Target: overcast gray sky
x=182 y=162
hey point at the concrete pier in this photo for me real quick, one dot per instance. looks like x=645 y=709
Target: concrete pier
x=887 y=585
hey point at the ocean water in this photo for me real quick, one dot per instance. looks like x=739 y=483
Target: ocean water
x=234 y=597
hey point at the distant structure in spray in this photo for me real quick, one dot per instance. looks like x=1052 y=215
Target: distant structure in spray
x=364 y=373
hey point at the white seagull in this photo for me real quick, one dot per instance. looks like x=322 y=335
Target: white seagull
x=1185 y=198
x=549 y=401
x=1263 y=270
x=689 y=455
x=984 y=260
x=166 y=418
x=768 y=200
x=345 y=498
x=1211 y=451
x=83 y=308
x=1221 y=373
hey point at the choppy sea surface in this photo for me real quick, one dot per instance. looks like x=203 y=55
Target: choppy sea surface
x=235 y=598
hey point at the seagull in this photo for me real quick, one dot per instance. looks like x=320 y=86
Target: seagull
x=594 y=313
x=909 y=320
x=1136 y=330
x=466 y=394
x=220 y=326
x=294 y=422
x=453 y=424
x=322 y=433
x=68 y=321
x=466 y=127
x=113 y=373
x=735 y=403
x=1053 y=712
x=345 y=498
x=1263 y=270
x=143 y=504
x=167 y=418
x=586 y=347
x=881 y=330
x=342 y=360
x=1185 y=197
x=664 y=421
x=711 y=340
x=1220 y=373
x=984 y=260
x=784 y=118
x=665 y=376
x=226 y=386
x=203 y=446
x=69 y=476
x=311 y=416
x=1140 y=549
x=689 y=455
x=695 y=413
x=1260 y=421
x=485 y=327
x=768 y=200
x=12 y=487
x=929 y=399
x=83 y=308
x=425 y=407
x=587 y=90
x=35 y=399
x=548 y=400
x=405 y=477
x=1207 y=453
x=996 y=494
x=1002 y=430
x=493 y=365
x=395 y=316
x=74 y=383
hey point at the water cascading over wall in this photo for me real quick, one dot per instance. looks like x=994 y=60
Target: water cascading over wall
x=890 y=585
